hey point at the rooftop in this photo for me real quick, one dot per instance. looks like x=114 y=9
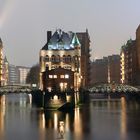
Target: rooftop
x=61 y=40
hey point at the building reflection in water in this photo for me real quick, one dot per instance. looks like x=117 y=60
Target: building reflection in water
x=67 y=125
x=42 y=127
x=42 y=121
x=2 y=115
x=101 y=119
x=74 y=125
x=77 y=123
x=30 y=99
x=63 y=124
x=123 y=118
x=56 y=121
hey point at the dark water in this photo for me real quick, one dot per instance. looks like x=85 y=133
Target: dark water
x=100 y=120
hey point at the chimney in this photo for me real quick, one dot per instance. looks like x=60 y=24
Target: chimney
x=49 y=35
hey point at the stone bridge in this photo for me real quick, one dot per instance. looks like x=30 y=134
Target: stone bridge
x=15 y=89
x=112 y=88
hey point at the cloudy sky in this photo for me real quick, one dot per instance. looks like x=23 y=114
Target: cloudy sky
x=24 y=23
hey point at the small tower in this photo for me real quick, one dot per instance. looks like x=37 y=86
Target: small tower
x=77 y=74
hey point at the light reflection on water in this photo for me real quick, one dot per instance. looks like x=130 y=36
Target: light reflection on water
x=99 y=120
x=123 y=119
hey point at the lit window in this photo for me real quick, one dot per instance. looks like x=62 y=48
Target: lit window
x=66 y=76
x=61 y=76
x=55 y=97
x=49 y=89
x=55 y=76
x=64 y=58
x=58 y=58
x=50 y=76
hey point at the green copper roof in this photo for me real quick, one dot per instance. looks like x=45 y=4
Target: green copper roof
x=61 y=40
x=75 y=40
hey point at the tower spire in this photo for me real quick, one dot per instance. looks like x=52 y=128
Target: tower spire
x=75 y=40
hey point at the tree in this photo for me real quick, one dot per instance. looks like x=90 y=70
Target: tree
x=33 y=75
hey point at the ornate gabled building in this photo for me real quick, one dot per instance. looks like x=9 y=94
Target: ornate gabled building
x=60 y=62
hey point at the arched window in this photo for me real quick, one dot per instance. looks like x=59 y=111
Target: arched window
x=47 y=58
x=58 y=58
x=69 y=58
x=64 y=58
x=53 y=58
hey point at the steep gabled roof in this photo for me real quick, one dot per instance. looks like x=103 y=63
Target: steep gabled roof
x=62 y=40
x=45 y=46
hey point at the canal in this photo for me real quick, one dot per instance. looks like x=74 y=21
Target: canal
x=98 y=120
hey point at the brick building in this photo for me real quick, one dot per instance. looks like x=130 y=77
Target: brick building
x=129 y=63
x=85 y=56
x=106 y=70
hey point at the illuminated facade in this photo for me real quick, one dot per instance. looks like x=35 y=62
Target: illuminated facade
x=122 y=67
x=6 y=71
x=1 y=62
x=60 y=62
x=129 y=63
